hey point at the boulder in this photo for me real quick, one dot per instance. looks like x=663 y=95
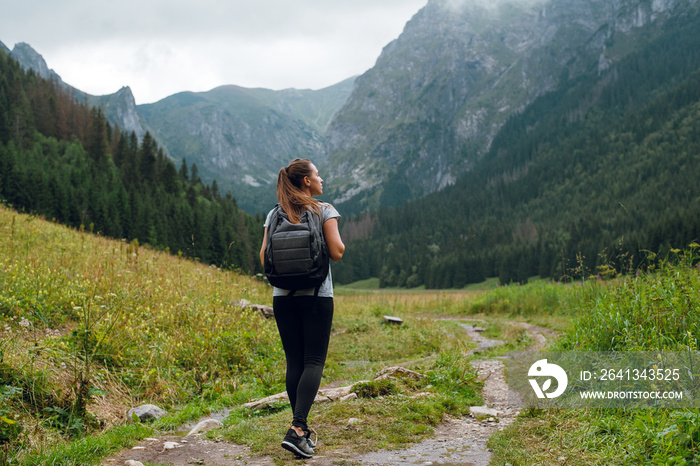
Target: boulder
x=483 y=411
x=264 y=311
x=205 y=426
x=146 y=413
x=324 y=395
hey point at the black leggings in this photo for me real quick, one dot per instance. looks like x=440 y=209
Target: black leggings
x=305 y=329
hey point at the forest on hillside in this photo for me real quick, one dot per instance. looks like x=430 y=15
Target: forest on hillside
x=60 y=158
x=587 y=180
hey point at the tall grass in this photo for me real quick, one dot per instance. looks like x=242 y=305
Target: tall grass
x=90 y=327
x=654 y=310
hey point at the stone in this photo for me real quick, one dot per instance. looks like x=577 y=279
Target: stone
x=324 y=395
x=146 y=413
x=265 y=312
x=242 y=304
x=333 y=394
x=257 y=404
x=398 y=372
x=205 y=426
x=132 y=463
x=393 y=320
x=483 y=411
x=348 y=397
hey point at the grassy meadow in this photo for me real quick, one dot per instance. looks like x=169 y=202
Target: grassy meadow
x=90 y=327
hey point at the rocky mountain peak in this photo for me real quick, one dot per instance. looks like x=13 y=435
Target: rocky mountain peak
x=29 y=58
x=120 y=108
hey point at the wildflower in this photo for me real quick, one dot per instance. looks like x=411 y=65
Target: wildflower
x=24 y=323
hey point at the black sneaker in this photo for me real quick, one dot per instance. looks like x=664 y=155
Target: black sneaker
x=297 y=445
x=307 y=436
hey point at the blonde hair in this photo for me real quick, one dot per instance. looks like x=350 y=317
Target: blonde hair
x=290 y=193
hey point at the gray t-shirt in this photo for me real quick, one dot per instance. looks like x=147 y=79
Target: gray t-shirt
x=326 y=290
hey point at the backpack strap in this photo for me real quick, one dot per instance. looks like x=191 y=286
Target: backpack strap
x=274 y=221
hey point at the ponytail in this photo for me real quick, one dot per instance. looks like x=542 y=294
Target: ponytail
x=292 y=198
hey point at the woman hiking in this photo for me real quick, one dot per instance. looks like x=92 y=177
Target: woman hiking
x=304 y=316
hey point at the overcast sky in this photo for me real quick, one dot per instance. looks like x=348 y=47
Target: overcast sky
x=161 y=47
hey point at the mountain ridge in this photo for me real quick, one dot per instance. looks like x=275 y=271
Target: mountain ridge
x=242 y=136
x=440 y=92
x=119 y=108
x=237 y=136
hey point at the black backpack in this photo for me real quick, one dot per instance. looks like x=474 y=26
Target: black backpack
x=296 y=255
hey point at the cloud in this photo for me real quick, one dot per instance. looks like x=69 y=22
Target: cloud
x=159 y=47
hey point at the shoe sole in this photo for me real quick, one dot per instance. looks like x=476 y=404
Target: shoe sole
x=294 y=449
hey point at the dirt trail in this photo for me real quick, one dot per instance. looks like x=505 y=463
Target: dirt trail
x=457 y=441
x=462 y=441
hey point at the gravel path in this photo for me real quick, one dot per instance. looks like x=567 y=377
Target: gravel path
x=457 y=441
x=462 y=441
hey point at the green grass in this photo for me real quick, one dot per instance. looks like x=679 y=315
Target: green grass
x=90 y=449
x=372 y=284
x=388 y=415
x=652 y=311
x=647 y=312
x=90 y=327
x=368 y=284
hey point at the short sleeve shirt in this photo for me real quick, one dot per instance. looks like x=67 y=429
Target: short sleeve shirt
x=326 y=290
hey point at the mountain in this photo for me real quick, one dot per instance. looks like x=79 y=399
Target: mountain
x=430 y=108
x=119 y=108
x=242 y=137
x=239 y=137
x=59 y=158
x=596 y=177
x=30 y=59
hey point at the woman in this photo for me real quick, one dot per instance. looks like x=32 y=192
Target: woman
x=303 y=320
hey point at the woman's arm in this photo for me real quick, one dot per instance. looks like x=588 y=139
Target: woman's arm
x=262 y=249
x=332 y=236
